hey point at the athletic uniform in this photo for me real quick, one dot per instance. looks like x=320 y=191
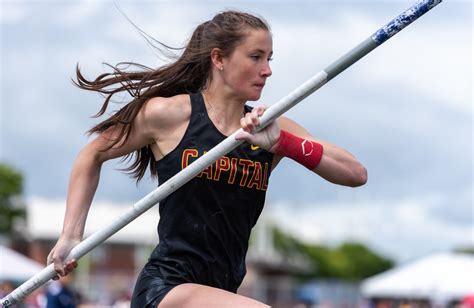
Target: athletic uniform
x=205 y=225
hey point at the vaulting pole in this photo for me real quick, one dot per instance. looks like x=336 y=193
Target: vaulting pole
x=226 y=146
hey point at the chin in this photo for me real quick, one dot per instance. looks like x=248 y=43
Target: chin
x=255 y=96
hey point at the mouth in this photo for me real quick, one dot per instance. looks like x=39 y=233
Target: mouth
x=259 y=85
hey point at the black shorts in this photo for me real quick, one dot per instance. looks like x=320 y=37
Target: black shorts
x=150 y=289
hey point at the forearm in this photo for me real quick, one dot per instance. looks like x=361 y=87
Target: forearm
x=329 y=161
x=340 y=167
x=332 y=163
x=82 y=186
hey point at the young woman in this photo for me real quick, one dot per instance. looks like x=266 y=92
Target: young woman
x=179 y=112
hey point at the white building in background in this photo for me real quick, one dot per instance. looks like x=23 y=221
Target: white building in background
x=45 y=218
x=439 y=280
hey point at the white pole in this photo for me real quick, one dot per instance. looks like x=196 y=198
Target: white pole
x=226 y=146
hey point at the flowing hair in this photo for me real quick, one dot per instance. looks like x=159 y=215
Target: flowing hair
x=189 y=73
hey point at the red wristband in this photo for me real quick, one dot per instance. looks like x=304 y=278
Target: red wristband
x=306 y=152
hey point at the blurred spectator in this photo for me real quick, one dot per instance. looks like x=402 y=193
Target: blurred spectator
x=37 y=299
x=60 y=294
x=123 y=301
x=467 y=301
x=6 y=287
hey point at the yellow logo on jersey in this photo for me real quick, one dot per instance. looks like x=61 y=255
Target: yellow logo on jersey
x=254 y=147
x=231 y=170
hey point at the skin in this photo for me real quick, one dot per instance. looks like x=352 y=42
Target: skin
x=162 y=122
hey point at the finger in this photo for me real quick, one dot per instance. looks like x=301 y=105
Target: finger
x=247 y=123
x=250 y=120
x=255 y=111
x=261 y=109
x=58 y=266
x=243 y=124
x=49 y=259
x=70 y=262
x=255 y=120
x=243 y=135
x=71 y=265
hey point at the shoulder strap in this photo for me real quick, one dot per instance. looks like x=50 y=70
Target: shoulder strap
x=197 y=103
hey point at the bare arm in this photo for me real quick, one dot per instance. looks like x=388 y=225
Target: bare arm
x=152 y=120
x=337 y=165
x=85 y=176
x=83 y=183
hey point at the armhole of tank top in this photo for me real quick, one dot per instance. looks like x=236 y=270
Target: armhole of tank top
x=186 y=132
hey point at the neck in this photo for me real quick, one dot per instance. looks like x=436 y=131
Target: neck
x=223 y=108
x=228 y=106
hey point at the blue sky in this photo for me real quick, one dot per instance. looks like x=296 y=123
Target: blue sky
x=405 y=110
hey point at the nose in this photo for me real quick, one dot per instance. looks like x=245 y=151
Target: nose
x=266 y=70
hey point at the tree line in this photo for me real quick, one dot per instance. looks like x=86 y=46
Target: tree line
x=348 y=261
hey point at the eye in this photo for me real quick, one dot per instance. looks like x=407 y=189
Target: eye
x=269 y=59
x=255 y=57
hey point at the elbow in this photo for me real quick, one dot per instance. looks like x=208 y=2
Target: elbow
x=359 y=176
x=92 y=157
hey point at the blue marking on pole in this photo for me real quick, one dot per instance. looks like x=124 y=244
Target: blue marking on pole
x=403 y=20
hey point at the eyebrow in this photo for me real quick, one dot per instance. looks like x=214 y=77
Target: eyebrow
x=263 y=51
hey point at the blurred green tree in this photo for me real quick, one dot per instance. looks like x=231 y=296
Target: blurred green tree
x=349 y=261
x=11 y=188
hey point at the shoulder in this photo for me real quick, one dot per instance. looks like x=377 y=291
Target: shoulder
x=168 y=108
x=166 y=112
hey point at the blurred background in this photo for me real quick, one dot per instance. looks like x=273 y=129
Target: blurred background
x=406 y=238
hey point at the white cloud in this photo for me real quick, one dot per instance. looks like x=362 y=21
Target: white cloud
x=430 y=60
x=420 y=64
x=76 y=13
x=12 y=12
x=157 y=19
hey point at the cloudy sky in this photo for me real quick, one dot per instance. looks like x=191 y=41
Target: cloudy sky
x=405 y=110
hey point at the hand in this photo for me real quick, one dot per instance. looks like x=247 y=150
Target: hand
x=58 y=255
x=266 y=138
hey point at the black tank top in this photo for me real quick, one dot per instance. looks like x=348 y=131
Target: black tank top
x=205 y=225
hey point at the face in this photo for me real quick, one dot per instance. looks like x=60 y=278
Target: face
x=247 y=68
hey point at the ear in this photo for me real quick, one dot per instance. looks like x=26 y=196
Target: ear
x=216 y=58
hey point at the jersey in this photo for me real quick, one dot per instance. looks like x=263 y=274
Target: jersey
x=205 y=225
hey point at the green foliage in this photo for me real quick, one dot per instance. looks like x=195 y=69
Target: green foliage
x=11 y=187
x=349 y=261
x=365 y=263
x=464 y=250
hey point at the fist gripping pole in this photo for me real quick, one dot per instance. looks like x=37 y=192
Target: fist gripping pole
x=226 y=146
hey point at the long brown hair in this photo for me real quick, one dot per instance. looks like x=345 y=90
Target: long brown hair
x=188 y=74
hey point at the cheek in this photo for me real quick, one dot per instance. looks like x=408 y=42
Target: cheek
x=244 y=77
